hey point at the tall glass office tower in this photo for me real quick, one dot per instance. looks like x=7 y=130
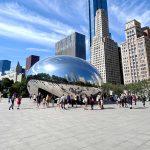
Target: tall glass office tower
x=93 y=6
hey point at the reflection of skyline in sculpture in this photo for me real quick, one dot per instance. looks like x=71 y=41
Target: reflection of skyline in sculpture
x=63 y=75
x=73 y=69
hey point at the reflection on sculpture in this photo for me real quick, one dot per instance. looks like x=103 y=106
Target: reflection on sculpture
x=64 y=70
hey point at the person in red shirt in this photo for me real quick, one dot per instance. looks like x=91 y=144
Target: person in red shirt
x=19 y=102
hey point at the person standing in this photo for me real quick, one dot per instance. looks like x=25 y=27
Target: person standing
x=39 y=97
x=98 y=100
x=122 y=100
x=52 y=100
x=30 y=96
x=19 y=102
x=47 y=100
x=76 y=100
x=130 y=100
x=85 y=100
x=134 y=99
x=68 y=100
x=44 y=102
x=63 y=101
x=34 y=98
x=0 y=96
x=125 y=101
x=102 y=101
x=92 y=101
x=80 y=100
x=119 y=101
x=72 y=100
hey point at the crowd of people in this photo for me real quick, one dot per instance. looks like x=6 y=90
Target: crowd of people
x=128 y=100
x=84 y=101
x=68 y=101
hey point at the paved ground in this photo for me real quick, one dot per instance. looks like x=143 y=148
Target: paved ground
x=52 y=129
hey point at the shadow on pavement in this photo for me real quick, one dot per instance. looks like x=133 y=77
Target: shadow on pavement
x=141 y=108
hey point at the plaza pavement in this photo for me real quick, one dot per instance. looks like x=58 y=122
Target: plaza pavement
x=53 y=129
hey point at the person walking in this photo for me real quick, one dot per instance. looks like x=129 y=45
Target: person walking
x=12 y=102
x=143 y=100
x=9 y=98
x=19 y=102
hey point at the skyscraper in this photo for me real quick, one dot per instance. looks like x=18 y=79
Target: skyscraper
x=136 y=53
x=73 y=45
x=4 y=66
x=93 y=6
x=31 y=60
x=104 y=51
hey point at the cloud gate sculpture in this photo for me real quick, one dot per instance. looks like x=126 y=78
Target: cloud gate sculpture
x=63 y=75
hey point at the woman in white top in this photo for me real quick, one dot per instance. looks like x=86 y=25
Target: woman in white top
x=85 y=100
x=98 y=100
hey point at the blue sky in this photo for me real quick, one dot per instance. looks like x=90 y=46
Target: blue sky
x=34 y=26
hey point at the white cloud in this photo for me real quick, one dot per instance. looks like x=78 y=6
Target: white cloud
x=14 y=11
x=120 y=12
x=134 y=11
x=54 y=6
x=27 y=34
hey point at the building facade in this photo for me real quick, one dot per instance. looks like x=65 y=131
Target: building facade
x=14 y=74
x=31 y=60
x=104 y=51
x=136 y=53
x=93 y=6
x=4 y=66
x=72 y=45
x=120 y=64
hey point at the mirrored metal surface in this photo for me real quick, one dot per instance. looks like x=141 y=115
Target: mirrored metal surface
x=65 y=69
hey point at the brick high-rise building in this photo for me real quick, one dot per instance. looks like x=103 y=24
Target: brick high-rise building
x=136 y=53
x=104 y=51
x=31 y=60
